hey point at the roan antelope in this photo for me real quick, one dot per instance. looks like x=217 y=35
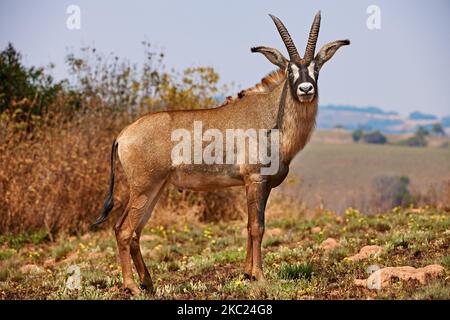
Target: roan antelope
x=286 y=100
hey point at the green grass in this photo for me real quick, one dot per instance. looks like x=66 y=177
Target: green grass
x=296 y=271
x=7 y=253
x=211 y=266
x=18 y=241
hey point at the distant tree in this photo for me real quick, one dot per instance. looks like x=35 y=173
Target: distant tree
x=417 y=140
x=445 y=145
x=421 y=131
x=375 y=137
x=357 y=135
x=438 y=129
x=392 y=191
x=446 y=122
x=24 y=91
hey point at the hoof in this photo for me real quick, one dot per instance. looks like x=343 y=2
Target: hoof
x=131 y=291
x=247 y=276
x=258 y=275
x=147 y=287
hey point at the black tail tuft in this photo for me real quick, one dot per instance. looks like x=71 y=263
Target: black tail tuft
x=109 y=201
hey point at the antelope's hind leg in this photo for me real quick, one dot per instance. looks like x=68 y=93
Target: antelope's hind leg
x=135 y=249
x=128 y=230
x=124 y=230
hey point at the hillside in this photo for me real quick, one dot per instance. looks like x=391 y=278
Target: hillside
x=374 y=118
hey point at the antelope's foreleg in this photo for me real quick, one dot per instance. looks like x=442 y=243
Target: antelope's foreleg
x=249 y=256
x=257 y=195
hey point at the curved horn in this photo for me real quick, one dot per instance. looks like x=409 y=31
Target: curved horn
x=292 y=50
x=312 y=40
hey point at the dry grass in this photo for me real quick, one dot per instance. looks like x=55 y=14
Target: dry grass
x=57 y=180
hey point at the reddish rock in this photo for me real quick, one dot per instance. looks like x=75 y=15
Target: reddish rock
x=31 y=268
x=366 y=252
x=149 y=237
x=274 y=232
x=316 y=229
x=382 y=278
x=329 y=244
x=49 y=263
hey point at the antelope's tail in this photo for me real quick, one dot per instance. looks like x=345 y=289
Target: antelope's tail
x=109 y=201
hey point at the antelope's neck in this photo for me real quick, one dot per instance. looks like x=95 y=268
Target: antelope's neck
x=298 y=123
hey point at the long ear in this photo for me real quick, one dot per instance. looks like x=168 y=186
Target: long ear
x=274 y=56
x=327 y=51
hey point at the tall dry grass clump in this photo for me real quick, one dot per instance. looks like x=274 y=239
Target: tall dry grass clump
x=55 y=181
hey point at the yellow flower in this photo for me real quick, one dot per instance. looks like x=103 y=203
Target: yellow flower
x=238 y=284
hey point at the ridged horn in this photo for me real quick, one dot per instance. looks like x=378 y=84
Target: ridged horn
x=312 y=40
x=292 y=50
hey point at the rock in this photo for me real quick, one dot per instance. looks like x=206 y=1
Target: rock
x=49 y=263
x=31 y=268
x=70 y=258
x=274 y=232
x=382 y=278
x=316 y=229
x=366 y=252
x=94 y=255
x=361 y=282
x=149 y=237
x=329 y=244
x=86 y=237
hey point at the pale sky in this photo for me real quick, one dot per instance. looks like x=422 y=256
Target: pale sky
x=402 y=67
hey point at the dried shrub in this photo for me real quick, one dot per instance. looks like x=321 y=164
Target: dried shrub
x=390 y=192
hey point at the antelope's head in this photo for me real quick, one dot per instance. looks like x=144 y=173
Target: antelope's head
x=302 y=73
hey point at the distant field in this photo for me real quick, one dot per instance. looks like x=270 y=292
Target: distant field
x=340 y=175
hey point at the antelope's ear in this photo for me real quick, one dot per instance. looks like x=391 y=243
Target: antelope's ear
x=327 y=51
x=273 y=55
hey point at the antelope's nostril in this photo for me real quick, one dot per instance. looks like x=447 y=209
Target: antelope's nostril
x=305 y=87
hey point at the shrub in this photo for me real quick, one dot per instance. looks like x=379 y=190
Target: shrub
x=438 y=129
x=418 y=140
x=25 y=93
x=391 y=191
x=375 y=137
x=357 y=134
